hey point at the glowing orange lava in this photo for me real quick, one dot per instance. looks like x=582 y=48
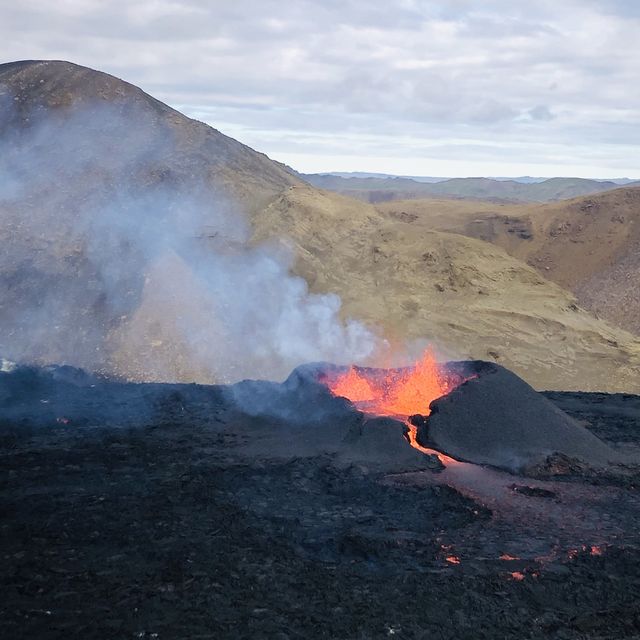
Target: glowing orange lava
x=395 y=392
x=594 y=550
x=398 y=393
x=353 y=386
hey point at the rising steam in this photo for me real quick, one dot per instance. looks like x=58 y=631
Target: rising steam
x=120 y=256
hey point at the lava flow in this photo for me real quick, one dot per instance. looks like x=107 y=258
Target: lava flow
x=398 y=393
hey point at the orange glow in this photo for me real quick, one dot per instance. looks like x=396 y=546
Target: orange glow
x=506 y=556
x=594 y=550
x=395 y=392
x=517 y=575
x=415 y=390
x=354 y=387
x=412 y=437
x=398 y=393
x=453 y=559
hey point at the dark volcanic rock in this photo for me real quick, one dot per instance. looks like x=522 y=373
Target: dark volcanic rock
x=496 y=418
x=297 y=418
x=533 y=492
x=301 y=417
x=382 y=443
x=172 y=530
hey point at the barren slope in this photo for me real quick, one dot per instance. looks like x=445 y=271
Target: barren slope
x=590 y=245
x=95 y=171
x=177 y=149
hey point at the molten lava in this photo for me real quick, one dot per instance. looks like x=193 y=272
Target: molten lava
x=353 y=386
x=398 y=393
x=395 y=392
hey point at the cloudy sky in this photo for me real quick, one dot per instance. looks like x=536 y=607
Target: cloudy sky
x=414 y=87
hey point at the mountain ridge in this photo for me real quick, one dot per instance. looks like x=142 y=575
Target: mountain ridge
x=381 y=189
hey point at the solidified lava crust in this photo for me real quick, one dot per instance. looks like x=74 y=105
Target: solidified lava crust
x=192 y=521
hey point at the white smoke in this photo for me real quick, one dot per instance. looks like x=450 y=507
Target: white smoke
x=118 y=257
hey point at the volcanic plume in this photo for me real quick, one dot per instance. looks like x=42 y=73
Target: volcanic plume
x=126 y=244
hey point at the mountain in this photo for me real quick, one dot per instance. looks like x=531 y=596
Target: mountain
x=36 y=90
x=432 y=179
x=106 y=199
x=383 y=189
x=139 y=242
x=588 y=245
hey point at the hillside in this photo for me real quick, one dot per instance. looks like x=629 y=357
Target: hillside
x=590 y=246
x=468 y=296
x=383 y=189
x=125 y=249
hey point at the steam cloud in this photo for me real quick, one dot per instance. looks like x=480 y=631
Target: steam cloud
x=118 y=256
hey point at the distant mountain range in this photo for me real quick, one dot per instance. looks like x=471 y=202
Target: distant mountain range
x=382 y=188
x=523 y=179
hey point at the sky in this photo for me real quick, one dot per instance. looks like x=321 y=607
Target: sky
x=407 y=87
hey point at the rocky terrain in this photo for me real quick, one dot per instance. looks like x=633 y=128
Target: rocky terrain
x=163 y=511
x=588 y=245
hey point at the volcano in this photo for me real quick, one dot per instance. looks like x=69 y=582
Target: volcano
x=474 y=411
x=161 y=493
x=496 y=418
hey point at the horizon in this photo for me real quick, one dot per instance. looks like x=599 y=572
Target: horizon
x=515 y=178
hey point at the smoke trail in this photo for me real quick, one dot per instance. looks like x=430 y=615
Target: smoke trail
x=121 y=255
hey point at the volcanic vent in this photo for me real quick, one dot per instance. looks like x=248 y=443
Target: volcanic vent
x=473 y=411
x=396 y=392
x=399 y=393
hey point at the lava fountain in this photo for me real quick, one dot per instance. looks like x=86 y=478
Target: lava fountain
x=398 y=393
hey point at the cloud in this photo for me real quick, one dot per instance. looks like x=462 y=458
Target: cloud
x=541 y=112
x=494 y=71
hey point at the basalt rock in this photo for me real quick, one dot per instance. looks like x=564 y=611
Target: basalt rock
x=496 y=418
x=382 y=444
